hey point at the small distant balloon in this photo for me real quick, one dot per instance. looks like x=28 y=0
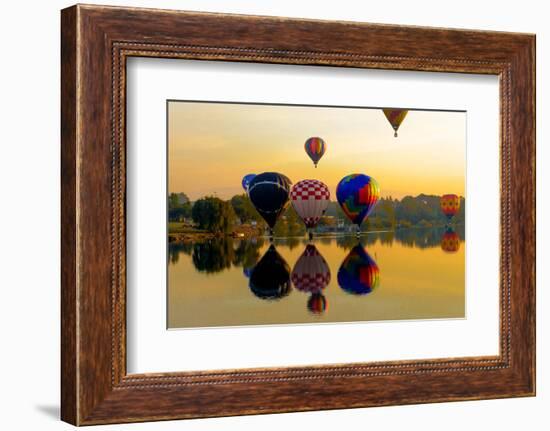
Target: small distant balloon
x=269 y=193
x=450 y=241
x=311 y=272
x=270 y=278
x=315 y=148
x=246 y=181
x=450 y=204
x=395 y=118
x=310 y=199
x=358 y=274
x=357 y=194
x=317 y=303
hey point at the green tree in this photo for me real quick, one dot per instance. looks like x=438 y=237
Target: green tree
x=179 y=207
x=244 y=209
x=213 y=214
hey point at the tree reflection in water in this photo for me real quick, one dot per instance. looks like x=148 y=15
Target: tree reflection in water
x=217 y=254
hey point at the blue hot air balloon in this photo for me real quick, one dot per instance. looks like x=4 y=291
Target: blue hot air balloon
x=357 y=194
x=246 y=181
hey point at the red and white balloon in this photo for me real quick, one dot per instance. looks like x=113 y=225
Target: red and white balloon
x=310 y=199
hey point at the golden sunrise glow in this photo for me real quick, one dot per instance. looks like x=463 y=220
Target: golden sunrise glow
x=213 y=145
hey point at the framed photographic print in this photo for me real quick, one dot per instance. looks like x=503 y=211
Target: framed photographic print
x=343 y=210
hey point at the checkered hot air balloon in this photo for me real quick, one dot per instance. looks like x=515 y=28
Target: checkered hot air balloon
x=315 y=148
x=395 y=117
x=311 y=272
x=310 y=199
x=358 y=274
x=357 y=194
x=450 y=241
x=450 y=204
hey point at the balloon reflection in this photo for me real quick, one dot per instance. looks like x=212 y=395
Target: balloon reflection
x=317 y=303
x=270 y=278
x=311 y=274
x=450 y=241
x=358 y=274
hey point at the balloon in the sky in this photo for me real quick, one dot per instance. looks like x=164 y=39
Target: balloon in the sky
x=315 y=148
x=246 y=181
x=357 y=194
x=450 y=241
x=450 y=204
x=247 y=271
x=317 y=303
x=270 y=278
x=268 y=193
x=358 y=273
x=310 y=199
x=311 y=272
x=395 y=117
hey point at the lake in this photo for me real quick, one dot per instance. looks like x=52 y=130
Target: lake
x=395 y=275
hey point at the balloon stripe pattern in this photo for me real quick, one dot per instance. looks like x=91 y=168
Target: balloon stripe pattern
x=395 y=117
x=450 y=204
x=311 y=272
x=357 y=194
x=315 y=148
x=310 y=199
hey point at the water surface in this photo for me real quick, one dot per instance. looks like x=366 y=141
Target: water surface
x=406 y=274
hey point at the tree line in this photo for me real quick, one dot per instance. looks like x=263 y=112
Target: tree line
x=213 y=214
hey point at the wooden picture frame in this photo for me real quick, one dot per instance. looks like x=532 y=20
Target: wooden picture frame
x=95 y=43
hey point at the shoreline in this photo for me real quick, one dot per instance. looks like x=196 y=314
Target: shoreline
x=192 y=237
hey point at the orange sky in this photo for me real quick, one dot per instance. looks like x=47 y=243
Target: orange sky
x=211 y=146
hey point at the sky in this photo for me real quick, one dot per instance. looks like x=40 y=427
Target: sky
x=211 y=146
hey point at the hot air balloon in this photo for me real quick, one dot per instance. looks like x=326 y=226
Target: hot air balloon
x=450 y=204
x=358 y=274
x=357 y=194
x=311 y=272
x=450 y=241
x=310 y=199
x=270 y=278
x=269 y=192
x=315 y=148
x=317 y=303
x=246 y=181
x=395 y=117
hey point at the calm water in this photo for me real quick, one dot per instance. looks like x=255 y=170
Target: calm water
x=407 y=274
